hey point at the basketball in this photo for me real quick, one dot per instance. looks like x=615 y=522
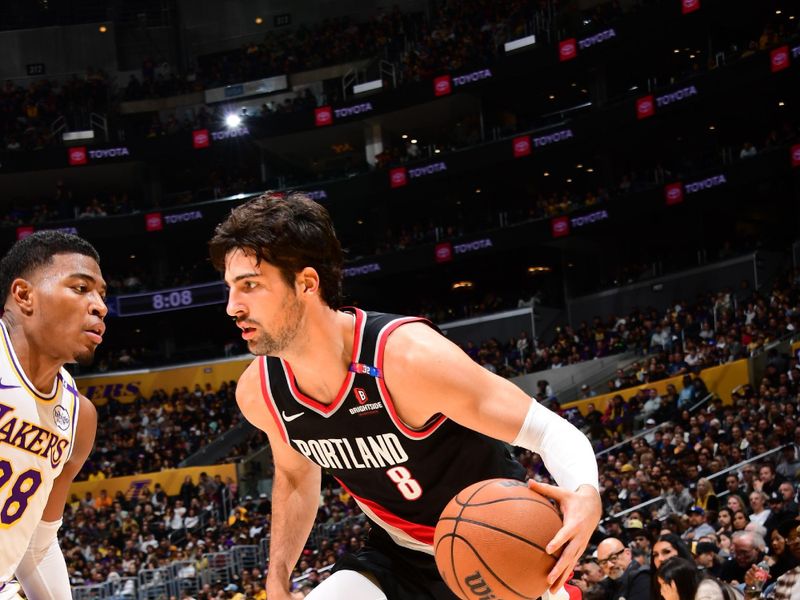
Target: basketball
x=490 y=541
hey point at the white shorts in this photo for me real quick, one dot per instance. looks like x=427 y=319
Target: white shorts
x=10 y=591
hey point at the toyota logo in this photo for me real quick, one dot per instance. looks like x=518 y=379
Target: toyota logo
x=796 y=154
x=521 y=146
x=779 y=58
x=443 y=252
x=201 y=138
x=560 y=226
x=398 y=177
x=567 y=49
x=673 y=193
x=76 y=155
x=645 y=106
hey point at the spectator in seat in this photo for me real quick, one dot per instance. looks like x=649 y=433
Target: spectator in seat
x=630 y=580
x=680 y=579
x=748 y=550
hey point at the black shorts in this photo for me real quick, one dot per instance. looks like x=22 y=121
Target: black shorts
x=403 y=574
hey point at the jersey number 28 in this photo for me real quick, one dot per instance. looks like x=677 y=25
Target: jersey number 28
x=22 y=489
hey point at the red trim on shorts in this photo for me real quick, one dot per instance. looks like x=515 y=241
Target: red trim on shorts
x=326 y=409
x=421 y=533
x=268 y=399
x=387 y=397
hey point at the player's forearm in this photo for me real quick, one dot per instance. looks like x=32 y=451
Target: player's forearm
x=294 y=507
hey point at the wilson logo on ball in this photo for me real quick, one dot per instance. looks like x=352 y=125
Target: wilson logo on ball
x=478 y=587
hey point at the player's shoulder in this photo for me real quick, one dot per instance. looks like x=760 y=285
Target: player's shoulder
x=249 y=381
x=413 y=342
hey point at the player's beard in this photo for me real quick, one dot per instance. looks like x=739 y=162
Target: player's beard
x=273 y=344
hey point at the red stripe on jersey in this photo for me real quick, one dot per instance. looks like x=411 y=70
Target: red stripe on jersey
x=421 y=533
x=348 y=381
x=268 y=399
x=412 y=433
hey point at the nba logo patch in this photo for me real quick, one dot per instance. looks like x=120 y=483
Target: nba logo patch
x=61 y=417
x=361 y=395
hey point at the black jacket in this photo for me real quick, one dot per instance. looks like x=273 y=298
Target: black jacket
x=634 y=583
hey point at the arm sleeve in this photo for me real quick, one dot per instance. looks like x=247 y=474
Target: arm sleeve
x=42 y=572
x=565 y=450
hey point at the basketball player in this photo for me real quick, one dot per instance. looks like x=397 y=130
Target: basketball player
x=397 y=413
x=53 y=314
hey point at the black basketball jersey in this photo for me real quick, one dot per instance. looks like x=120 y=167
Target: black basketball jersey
x=402 y=478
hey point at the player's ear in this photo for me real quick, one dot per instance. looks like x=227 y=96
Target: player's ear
x=308 y=281
x=22 y=295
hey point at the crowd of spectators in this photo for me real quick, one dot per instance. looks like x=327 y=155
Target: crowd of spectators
x=717 y=328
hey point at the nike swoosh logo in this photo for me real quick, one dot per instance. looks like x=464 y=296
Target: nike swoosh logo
x=3 y=386
x=291 y=418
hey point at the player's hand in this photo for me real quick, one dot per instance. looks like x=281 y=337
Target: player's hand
x=582 y=510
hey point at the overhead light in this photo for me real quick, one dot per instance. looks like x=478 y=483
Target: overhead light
x=477 y=190
x=589 y=170
x=569 y=179
x=676 y=51
x=584 y=91
x=76 y=136
x=579 y=166
x=547 y=173
x=259 y=20
x=233 y=121
x=711 y=128
x=437 y=151
x=360 y=222
x=137 y=331
x=691 y=56
x=552 y=97
x=791 y=17
x=132 y=256
x=102 y=29
x=462 y=285
x=633 y=88
x=535 y=270
x=404 y=136
x=781 y=103
x=573 y=84
x=777 y=12
x=414 y=141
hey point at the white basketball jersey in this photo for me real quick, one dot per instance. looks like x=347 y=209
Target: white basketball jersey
x=36 y=434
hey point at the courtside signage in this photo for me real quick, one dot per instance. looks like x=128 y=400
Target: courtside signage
x=400 y=176
x=779 y=59
x=79 y=155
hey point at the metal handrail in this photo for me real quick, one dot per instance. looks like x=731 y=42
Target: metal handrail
x=710 y=477
x=652 y=429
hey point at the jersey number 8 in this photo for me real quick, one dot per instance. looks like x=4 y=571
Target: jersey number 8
x=406 y=485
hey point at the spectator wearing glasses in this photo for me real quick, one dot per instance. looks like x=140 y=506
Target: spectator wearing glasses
x=591 y=577
x=748 y=550
x=630 y=580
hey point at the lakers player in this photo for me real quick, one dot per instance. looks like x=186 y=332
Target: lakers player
x=397 y=413
x=53 y=314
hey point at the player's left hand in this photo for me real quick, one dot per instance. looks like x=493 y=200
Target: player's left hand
x=582 y=510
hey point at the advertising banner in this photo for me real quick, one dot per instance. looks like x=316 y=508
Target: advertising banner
x=126 y=386
x=170 y=480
